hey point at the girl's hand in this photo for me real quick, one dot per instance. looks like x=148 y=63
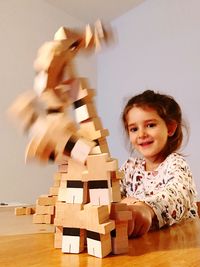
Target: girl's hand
x=141 y=220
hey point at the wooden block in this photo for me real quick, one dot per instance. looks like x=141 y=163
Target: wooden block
x=45 y=209
x=118 y=207
x=101 y=147
x=115 y=191
x=119 y=238
x=75 y=147
x=40 y=82
x=22 y=111
x=121 y=229
x=34 y=148
x=56 y=183
x=58 y=237
x=98 y=245
x=119 y=246
x=24 y=211
x=100 y=196
x=96 y=214
x=73 y=240
x=73 y=191
x=97 y=219
x=61 y=34
x=53 y=191
x=51 y=58
x=30 y=210
x=63 y=168
x=50 y=101
x=118 y=174
x=61 y=159
x=27 y=119
x=81 y=150
x=63 y=145
x=105 y=228
x=123 y=215
x=80 y=91
x=46 y=200
x=75 y=170
x=20 y=211
x=100 y=192
x=74 y=89
x=88 y=35
x=57 y=240
x=85 y=93
x=93 y=129
x=64 y=216
x=100 y=171
x=63 y=183
x=85 y=112
x=56 y=179
x=43 y=218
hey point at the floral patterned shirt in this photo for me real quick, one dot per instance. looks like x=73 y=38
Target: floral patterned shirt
x=169 y=189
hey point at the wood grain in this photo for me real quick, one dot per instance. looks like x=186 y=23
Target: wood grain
x=178 y=245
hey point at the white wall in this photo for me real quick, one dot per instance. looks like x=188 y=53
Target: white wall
x=158 y=48
x=24 y=26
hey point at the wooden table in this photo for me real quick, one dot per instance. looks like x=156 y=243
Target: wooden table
x=23 y=244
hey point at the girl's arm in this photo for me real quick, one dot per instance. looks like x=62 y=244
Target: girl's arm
x=177 y=200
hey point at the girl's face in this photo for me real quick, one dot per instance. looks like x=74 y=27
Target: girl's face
x=148 y=132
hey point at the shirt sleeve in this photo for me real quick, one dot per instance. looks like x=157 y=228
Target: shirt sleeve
x=177 y=200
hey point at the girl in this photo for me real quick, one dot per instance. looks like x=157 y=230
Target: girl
x=158 y=187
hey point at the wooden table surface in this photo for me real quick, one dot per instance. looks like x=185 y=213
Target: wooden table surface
x=23 y=244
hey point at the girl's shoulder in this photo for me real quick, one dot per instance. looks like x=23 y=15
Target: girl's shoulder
x=175 y=157
x=175 y=160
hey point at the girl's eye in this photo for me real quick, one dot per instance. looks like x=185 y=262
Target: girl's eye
x=151 y=125
x=133 y=129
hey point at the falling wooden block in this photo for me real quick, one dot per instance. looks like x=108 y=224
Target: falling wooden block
x=88 y=35
x=50 y=102
x=84 y=111
x=101 y=147
x=82 y=149
x=22 y=111
x=92 y=128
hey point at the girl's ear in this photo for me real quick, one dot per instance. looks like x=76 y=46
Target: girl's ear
x=172 y=128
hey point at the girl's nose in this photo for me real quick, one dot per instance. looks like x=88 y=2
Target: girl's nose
x=142 y=133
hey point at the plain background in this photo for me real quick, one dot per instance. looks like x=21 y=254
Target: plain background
x=157 y=48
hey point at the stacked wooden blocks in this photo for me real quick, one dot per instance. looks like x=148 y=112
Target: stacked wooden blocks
x=84 y=201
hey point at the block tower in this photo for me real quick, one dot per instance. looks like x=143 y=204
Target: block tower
x=64 y=127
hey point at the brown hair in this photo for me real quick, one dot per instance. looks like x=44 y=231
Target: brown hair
x=167 y=108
